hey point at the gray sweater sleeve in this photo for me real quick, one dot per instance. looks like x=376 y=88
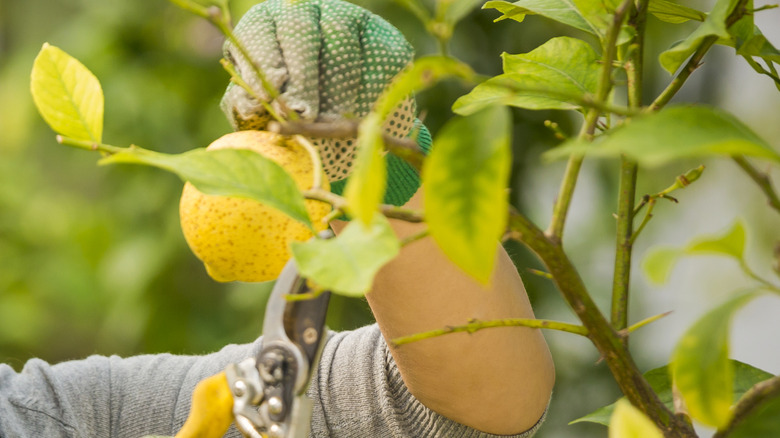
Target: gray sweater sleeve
x=357 y=392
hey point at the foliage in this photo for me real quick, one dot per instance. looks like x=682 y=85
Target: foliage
x=638 y=135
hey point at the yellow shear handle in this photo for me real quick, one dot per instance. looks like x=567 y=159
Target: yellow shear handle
x=211 y=413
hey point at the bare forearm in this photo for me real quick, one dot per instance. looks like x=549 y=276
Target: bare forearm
x=497 y=380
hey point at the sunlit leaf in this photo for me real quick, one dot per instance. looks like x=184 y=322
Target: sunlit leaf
x=464 y=183
x=745 y=376
x=587 y=16
x=750 y=43
x=67 y=95
x=713 y=25
x=347 y=263
x=366 y=185
x=658 y=264
x=629 y=422
x=365 y=188
x=732 y=243
x=700 y=364
x=227 y=172
x=674 y=133
x=671 y=12
x=540 y=79
x=423 y=73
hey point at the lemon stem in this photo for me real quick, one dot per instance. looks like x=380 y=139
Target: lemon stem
x=315 y=160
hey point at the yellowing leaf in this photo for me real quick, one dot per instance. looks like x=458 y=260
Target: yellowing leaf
x=629 y=422
x=347 y=264
x=67 y=95
x=700 y=365
x=659 y=263
x=464 y=183
x=745 y=376
x=732 y=243
x=366 y=186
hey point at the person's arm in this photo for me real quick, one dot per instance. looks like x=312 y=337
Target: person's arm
x=496 y=380
x=107 y=396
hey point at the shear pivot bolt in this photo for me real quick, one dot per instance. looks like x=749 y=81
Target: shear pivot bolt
x=275 y=431
x=275 y=405
x=310 y=335
x=239 y=388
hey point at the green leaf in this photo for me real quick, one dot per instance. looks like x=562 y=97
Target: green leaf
x=629 y=422
x=671 y=12
x=588 y=16
x=713 y=25
x=700 y=364
x=347 y=263
x=67 y=95
x=764 y=422
x=745 y=376
x=464 y=183
x=658 y=264
x=458 y=9
x=227 y=172
x=366 y=186
x=674 y=133
x=423 y=73
x=540 y=79
x=732 y=243
x=750 y=43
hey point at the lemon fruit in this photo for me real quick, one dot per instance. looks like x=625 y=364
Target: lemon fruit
x=241 y=239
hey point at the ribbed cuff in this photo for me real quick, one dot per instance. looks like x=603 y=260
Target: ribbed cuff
x=421 y=421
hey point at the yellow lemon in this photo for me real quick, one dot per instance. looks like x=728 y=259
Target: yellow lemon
x=211 y=413
x=241 y=239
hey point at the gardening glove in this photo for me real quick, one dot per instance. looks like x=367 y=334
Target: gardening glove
x=328 y=59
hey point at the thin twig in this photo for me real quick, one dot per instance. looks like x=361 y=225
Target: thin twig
x=623 y=244
x=562 y=203
x=695 y=61
x=405 y=148
x=761 y=179
x=89 y=145
x=475 y=325
x=680 y=182
x=390 y=211
x=607 y=341
x=636 y=326
x=415 y=237
x=314 y=155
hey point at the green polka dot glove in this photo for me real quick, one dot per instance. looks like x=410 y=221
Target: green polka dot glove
x=329 y=59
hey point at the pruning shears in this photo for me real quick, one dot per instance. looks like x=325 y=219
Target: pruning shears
x=269 y=391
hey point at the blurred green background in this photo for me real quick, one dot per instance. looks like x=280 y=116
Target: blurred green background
x=92 y=260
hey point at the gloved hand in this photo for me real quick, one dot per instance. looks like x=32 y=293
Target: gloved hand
x=329 y=59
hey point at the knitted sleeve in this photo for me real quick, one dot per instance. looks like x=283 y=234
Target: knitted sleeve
x=107 y=396
x=359 y=392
